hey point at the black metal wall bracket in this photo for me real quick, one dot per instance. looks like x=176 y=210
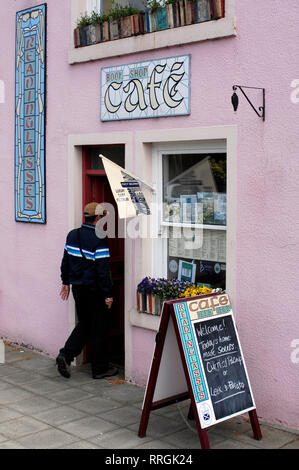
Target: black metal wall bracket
x=235 y=100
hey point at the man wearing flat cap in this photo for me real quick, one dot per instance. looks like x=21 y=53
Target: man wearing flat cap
x=85 y=266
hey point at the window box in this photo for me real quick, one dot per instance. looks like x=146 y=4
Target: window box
x=177 y=13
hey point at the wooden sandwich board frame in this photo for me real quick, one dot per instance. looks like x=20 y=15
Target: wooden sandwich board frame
x=169 y=359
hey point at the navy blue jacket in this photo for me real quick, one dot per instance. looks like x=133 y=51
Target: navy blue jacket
x=93 y=271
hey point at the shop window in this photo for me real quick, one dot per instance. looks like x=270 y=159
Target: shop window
x=192 y=215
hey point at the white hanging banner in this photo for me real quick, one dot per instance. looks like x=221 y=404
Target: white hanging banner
x=126 y=190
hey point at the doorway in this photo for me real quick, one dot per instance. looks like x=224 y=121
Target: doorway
x=96 y=188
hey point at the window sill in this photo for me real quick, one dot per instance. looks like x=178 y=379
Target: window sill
x=144 y=320
x=224 y=27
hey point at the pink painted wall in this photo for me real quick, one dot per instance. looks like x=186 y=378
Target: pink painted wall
x=263 y=54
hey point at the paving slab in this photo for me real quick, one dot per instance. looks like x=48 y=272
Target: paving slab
x=11 y=395
x=188 y=438
x=96 y=405
x=34 y=404
x=44 y=386
x=87 y=427
x=120 y=438
x=70 y=395
x=7 y=414
x=61 y=415
x=49 y=439
x=123 y=416
x=16 y=428
x=20 y=377
x=81 y=445
x=272 y=438
x=11 y=445
x=160 y=427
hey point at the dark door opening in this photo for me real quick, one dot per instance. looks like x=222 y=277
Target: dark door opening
x=96 y=188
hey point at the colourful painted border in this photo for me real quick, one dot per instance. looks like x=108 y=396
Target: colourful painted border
x=191 y=353
x=30 y=67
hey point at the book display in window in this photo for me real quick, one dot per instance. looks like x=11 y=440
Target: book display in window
x=161 y=17
x=202 y=11
x=220 y=209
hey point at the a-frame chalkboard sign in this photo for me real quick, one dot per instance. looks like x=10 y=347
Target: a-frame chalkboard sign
x=198 y=356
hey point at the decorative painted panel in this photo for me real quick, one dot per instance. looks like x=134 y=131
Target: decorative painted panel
x=155 y=88
x=30 y=115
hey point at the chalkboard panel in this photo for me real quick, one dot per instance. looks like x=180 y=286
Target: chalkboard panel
x=223 y=365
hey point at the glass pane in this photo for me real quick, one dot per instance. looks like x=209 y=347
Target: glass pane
x=203 y=251
x=194 y=192
x=115 y=153
x=194 y=188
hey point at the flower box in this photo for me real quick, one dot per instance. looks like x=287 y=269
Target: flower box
x=151 y=293
x=123 y=22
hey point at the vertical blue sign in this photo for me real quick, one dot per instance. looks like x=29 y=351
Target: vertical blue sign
x=30 y=204
x=191 y=352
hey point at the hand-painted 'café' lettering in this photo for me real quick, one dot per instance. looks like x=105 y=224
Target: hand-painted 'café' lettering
x=30 y=115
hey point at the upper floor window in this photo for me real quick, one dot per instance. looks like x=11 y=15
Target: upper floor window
x=94 y=5
x=155 y=28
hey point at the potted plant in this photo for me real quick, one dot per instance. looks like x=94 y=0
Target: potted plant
x=81 y=32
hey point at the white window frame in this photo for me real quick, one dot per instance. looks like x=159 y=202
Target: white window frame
x=93 y=5
x=159 y=261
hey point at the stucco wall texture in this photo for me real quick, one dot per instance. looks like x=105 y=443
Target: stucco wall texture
x=263 y=54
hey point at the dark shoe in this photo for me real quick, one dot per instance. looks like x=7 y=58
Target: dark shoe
x=109 y=373
x=62 y=366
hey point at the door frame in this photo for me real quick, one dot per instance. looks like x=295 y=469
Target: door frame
x=75 y=197
x=101 y=176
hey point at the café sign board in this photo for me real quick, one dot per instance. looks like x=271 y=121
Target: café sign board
x=148 y=89
x=198 y=356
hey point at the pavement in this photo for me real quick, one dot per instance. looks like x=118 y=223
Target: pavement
x=39 y=409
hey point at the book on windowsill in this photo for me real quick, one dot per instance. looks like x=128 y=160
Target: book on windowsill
x=202 y=11
x=170 y=15
x=219 y=5
x=188 y=11
x=105 y=31
x=126 y=26
x=114 y=29
x=182 y=13
x=161 y=17
x=77 y=37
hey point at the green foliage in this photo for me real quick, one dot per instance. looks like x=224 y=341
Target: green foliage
x=115 y=12
x=84 y=21
x=119 y=11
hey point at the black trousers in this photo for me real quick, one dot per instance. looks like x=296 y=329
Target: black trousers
x=94 y=323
